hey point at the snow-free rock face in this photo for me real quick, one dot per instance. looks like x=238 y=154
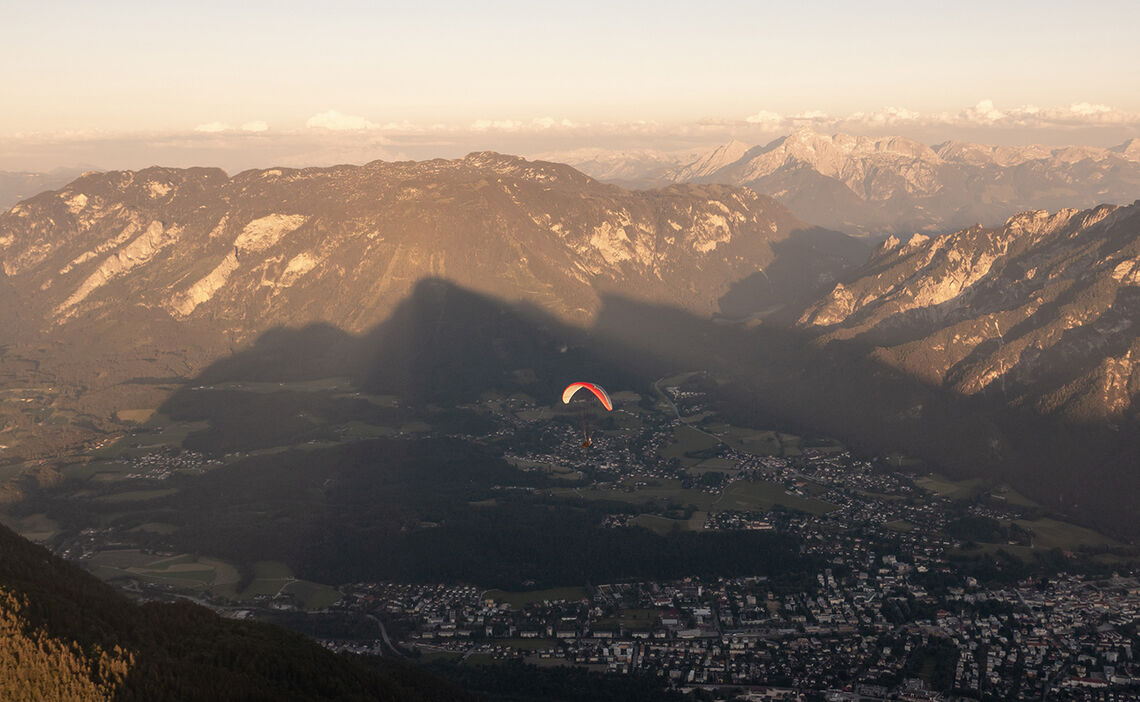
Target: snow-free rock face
x=345 y=244
x=1043 y=310
x=895 y=185
x=157 y=273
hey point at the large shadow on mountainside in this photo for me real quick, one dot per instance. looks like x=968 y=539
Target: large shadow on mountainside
x=402 y=507
x=805 y=266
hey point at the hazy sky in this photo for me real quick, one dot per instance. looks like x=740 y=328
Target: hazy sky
x=132 y=81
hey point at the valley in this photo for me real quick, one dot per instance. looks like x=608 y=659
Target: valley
x=878 y=530
x=388 y=470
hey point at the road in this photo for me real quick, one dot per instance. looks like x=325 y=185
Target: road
x=384 y=635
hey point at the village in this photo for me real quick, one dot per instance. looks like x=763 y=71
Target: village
x=875 y=632
x=897 y=608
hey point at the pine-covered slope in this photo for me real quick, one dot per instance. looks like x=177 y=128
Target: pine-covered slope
x=67 y=635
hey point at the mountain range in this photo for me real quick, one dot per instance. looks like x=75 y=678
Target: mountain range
x=156 y=273
x=274 y=247
x=1040 y=311
x=123 y=286
x=21 y=185
x=877 y=186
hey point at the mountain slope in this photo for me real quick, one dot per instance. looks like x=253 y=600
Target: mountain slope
x=154 y=274
x=16 y=186
x=895 y=185
x=1041 y=311
x=68 y=635
x=342 y=244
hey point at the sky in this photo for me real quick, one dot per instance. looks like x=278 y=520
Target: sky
x=126 y=84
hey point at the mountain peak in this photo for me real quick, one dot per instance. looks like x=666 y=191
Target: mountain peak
x=711 y=162
x=1129 y=149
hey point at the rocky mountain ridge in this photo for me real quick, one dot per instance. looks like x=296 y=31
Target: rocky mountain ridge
x=1041 y=311
x=878 y=186
x=280 y=247
x=156 y=273
x=20 y=185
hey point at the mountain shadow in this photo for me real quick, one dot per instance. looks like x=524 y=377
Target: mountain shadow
x=804 y=267
x=412 y=508
x=446 y=346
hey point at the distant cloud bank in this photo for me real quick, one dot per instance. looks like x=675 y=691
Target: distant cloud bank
x=985 y=113
x=333 y=136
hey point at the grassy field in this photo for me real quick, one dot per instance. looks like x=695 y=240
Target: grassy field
x=762 y=495
x=687 y=441
x=660 y=525
x=272 y=569
x=181 y=571
x=96 y=470
x=378 y=400
x=1050 y=533
x=521 y=599
x=135 y=416
x=137 y=495
x=34 y=527
x=1008 y=495
x=356 y=431
x=740 y=495
x=823 y=446
x=638 y=619
x=313 y=596
x=761 y=442
x=428 y=655
x=718 y=465
x=955 y=490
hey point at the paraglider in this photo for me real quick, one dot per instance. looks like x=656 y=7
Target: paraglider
x=598 y=392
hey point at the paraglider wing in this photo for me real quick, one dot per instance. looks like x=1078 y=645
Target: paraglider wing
x=596 y=389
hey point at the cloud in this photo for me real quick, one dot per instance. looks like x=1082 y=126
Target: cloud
x=537 y=124
x=1085 y=109
x=764 y=117
x=221 y=127
x=502 y=125
x=888 y=116
x=551 y=123
x=338 y=122
x=987 y=114
x=983 y=113
x=810 y=116
x=213 y=127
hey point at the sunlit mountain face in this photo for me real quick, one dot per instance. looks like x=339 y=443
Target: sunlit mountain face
x=880 y=186
x=333 y=399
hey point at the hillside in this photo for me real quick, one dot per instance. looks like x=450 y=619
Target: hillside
x=878 y=186
x=67 y=635
x=122 y=283
x=1039 y=312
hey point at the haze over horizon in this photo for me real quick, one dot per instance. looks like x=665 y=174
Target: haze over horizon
x=295 y=85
